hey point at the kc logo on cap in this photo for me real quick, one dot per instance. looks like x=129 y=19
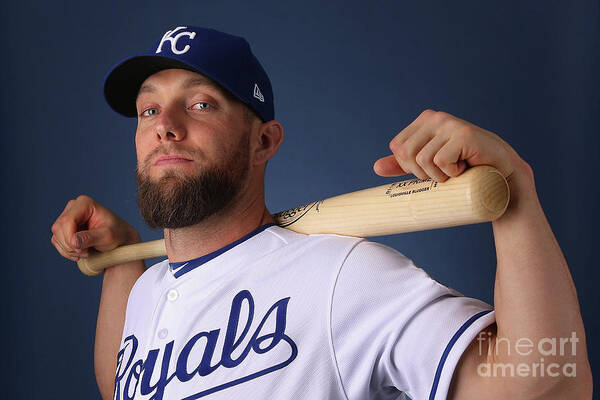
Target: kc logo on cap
x=168 y=36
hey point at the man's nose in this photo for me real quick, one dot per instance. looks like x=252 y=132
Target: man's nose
x=170 y=126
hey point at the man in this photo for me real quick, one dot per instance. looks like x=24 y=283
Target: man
x=245 y=309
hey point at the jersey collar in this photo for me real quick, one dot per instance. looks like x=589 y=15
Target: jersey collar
x=183 y=267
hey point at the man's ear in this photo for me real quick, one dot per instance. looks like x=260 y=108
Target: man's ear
x=267 y=141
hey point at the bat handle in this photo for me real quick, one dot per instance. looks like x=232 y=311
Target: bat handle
x=96 y=262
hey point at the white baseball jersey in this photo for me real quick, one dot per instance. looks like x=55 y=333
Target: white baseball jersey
x=281 y=315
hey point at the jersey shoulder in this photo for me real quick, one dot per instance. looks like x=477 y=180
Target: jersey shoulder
x=377 y=264
x=289 y=237
x=151 y=277
x=323 y=247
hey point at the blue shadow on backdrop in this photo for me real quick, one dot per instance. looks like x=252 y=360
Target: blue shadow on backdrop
x=347 y=77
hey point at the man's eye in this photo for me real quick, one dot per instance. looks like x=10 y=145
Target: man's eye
x=201 y=106
x=149 y=112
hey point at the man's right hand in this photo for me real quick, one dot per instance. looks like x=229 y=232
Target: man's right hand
x=86 y=224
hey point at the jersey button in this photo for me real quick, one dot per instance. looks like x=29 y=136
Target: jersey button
x=172 y=295
x=163 y=333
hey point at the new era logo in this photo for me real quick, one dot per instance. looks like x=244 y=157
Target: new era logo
x=258 y=94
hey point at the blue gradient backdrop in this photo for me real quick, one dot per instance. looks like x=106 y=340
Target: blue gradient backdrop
x=347 y=76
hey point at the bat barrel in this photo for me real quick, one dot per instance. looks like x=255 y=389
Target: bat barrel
x=490 y=189
x=480 y=194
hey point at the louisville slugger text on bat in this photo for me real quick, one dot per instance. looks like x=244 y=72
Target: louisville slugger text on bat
x=480 y=194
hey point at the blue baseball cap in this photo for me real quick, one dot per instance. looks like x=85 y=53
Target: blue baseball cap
x=224 y=58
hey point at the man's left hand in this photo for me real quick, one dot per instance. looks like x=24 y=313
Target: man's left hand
x=440 y=145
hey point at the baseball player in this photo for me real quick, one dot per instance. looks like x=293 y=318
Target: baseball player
x=245 y=309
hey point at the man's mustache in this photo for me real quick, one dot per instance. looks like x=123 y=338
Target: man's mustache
x=171 y=149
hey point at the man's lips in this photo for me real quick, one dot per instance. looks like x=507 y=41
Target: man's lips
x=171 y=159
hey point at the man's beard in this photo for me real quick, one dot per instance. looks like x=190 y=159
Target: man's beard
x=177 y=201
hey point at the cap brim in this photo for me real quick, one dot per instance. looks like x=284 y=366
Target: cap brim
x=122 y=84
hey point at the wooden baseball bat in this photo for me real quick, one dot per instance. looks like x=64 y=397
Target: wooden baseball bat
x=479 y=194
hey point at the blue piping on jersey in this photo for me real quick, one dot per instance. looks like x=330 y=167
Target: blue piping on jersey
x=461 y=330
x=180 y=268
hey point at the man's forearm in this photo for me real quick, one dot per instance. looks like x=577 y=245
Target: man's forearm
x=116 y=285
x=537 y=311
